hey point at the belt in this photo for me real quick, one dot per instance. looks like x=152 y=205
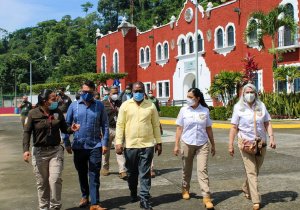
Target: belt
x=47 y=147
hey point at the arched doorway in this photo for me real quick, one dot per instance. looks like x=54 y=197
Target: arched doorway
x=188 y=82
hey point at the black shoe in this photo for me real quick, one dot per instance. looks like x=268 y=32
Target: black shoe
x=144 y=204
x=134 y=198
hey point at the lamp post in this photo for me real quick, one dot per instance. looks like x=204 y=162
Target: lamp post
x=30 y=75
x=196 y=42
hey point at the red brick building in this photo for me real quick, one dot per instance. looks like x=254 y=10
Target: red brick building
x=164 y=57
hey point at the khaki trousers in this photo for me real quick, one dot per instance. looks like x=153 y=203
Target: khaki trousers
x=188 y=153
x=252 y=164
x=48 y=165
x=120 y=158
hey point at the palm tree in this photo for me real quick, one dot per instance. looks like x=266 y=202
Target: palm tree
x=268 y=24
x=85 y=7
x=225 y=85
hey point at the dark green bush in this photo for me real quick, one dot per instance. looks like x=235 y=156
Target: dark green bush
x=170 y=111
x=218 y=113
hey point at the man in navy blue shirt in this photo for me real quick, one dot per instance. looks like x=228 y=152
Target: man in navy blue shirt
x=89 y=143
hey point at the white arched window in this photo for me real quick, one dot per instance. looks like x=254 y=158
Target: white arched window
x=230 y=36
x=200 y=43
x=166 y=50
x=147 y=54
x=220 y=38
x=288 y=36
x=191 y=45
x=103 y=63
x=142 y=55
x=116 y=61
x=182 y=46
x=252 y=36
x=158 y=52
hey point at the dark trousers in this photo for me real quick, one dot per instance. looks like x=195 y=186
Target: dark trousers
x=138 y=164
x=88 y=164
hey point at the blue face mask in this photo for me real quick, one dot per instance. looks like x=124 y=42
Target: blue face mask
x=87 y=96
x=53 y=105
x=138 y=96
x=105 y=97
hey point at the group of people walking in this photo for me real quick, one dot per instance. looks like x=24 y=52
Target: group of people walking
x=131 y=121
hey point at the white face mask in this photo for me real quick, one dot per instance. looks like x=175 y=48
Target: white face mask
x=249 y=97
x=114 y=97
x=190 y=102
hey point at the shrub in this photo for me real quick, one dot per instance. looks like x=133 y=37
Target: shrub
x=218 y=113
x=170 y=111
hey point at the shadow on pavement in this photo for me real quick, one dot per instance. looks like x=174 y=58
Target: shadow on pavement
x=166 y=198
x=219 y=197
x=278 y=197
x=165 y=171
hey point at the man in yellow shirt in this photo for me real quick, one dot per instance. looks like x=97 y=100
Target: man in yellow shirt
x=138 y=122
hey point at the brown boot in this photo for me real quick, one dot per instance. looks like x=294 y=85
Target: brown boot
x=185 y=194
x=83 y=202
x=256 y=206
x=207 y=202
x=104 y=172
x=97 y=207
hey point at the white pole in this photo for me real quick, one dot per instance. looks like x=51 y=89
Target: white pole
x=196 y=43
x=30 y=80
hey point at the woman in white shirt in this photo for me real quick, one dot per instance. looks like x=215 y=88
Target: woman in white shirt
x=194 y=130
x=243 y=126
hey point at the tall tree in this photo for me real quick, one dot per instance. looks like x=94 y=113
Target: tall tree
x=268 y=24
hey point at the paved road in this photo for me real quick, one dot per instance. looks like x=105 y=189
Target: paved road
x=279 y=178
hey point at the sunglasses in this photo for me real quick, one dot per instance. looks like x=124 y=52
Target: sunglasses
x=138 y=91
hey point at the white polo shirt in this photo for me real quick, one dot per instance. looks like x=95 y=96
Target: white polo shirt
x=243 y=117
x=194 y=123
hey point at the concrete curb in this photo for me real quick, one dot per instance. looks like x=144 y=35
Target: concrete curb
x=228 y=126
x=215 y=125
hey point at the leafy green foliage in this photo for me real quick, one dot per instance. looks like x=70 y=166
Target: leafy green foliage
x=170 y=111
x=225 y=85
x=268 y=24
x=287 y=73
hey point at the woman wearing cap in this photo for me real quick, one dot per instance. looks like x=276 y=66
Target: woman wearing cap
x=250 y=122
x=194 y=130
x=44 y=123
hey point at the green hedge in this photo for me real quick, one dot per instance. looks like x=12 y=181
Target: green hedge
x=216 y=113
x=170 y=111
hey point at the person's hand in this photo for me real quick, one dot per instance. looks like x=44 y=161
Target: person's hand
x=158 y=149
x=272 y=142
x=104 y=150
x=231 y=150
x=26 y=156
x=176 y=150
x=69 y=149
x=75 y=127
x=213 y=150
x=119 y=149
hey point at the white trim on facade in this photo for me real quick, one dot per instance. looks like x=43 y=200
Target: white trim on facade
x=103 y=70
x=114 y=61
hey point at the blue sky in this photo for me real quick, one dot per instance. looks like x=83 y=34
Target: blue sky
x=17 y=14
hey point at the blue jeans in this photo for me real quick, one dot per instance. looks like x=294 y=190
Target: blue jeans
x=138 y=164
x=88 y=164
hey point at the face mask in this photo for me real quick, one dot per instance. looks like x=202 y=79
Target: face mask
x=127 y=91
x=105 y=97
x=87 y=96
x=114 y=97
x=190 y=102
x=53 y=105
x=138 y=96
x=150 y=95
x=249 y=97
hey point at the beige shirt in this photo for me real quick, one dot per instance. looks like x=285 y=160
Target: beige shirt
x=139 y=124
